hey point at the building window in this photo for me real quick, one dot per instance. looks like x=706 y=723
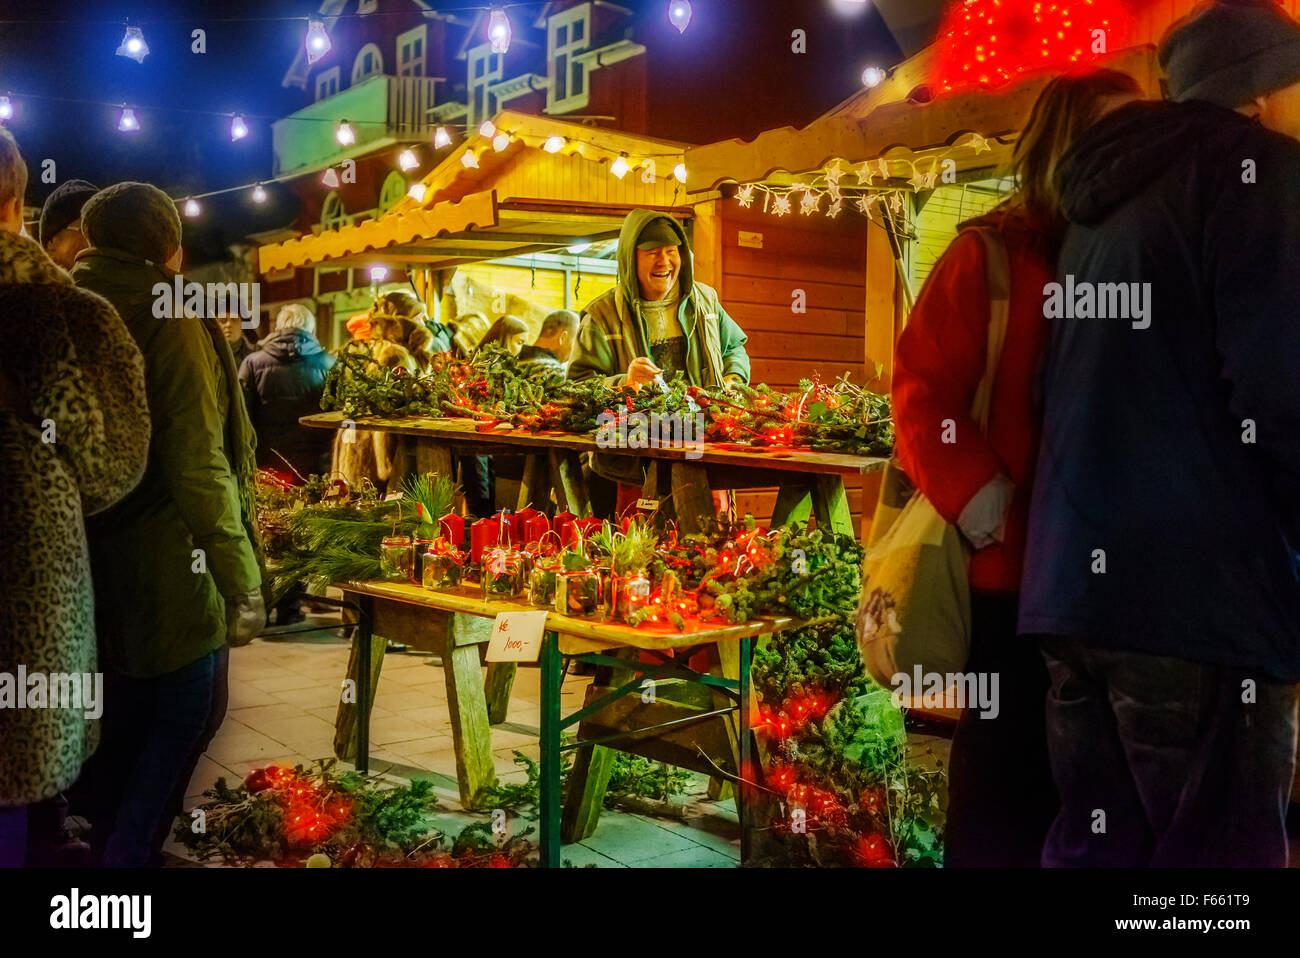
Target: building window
x=327 y=83
x=567 y=33
x=367 y=6
x=484 y=70
x=331 y=211
x=394 y=189
x=369 y=62
x=410 y=52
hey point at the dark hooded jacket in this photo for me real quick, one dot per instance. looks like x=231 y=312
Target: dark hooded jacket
x=1166 y=509
x=282 y=381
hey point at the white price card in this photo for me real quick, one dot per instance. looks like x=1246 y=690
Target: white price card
x=517 y=636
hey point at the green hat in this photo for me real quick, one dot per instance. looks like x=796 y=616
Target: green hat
x=657 y=233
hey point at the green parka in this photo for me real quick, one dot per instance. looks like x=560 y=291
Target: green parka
x=613 y=333
x=166 y=556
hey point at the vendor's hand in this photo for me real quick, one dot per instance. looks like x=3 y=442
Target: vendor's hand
x=245 y=617
x=641 y=371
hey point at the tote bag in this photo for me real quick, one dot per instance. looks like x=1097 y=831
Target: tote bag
x=915 y=606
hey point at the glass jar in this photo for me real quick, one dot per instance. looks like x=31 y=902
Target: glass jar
x=577 y=593
x=503 y=574
x=441 y=570
x=397 y=559
x=631 y=593
x=542 y=584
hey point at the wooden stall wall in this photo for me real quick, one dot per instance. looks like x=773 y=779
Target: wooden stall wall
x=759 y=264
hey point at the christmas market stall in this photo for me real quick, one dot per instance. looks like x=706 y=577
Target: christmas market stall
x=633 y=598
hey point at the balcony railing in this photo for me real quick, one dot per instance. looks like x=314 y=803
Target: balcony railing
x=379 y=107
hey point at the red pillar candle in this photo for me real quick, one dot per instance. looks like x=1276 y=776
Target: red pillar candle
x=561 y=523
x=482 y=536
x=453 y=529
x=535 y=526
x=588 y=527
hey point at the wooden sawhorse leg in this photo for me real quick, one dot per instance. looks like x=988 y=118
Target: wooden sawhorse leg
x=467 y=705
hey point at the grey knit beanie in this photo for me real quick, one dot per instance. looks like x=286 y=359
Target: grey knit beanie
x=1232 y=53
x=135 y=218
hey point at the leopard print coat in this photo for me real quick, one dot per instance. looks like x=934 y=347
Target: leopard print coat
x=74 y=435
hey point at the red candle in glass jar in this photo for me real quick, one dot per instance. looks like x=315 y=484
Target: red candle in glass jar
x=483 y=535
x=453 y=529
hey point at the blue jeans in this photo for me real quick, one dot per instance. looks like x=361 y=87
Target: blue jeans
x=1160 y=762
x=155 y=724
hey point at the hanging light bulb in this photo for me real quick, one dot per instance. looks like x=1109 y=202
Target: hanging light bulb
x=553 y=144
x=487 y=128
x=378 y=274
x=318 y=41
x=407 y=161
x=441 y=138
x=345 y=134
x=679 y=14
x=133 y=45
x=6 y=109
x=469 y=160
x=259 y=194
x=619 y=168
x=191 y=208
x=127 y=123
x=498 y=31
x=417 y=192
x=500 y=141
x=873 y=76
x=238 y=128
x=331 y=178
x=679 y=172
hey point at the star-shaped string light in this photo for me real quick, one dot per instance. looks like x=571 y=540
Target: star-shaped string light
x=746 y=195
x=809 y=203
x=780 y=204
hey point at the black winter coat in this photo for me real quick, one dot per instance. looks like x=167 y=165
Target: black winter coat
x=1166 y=507
x=282 y=382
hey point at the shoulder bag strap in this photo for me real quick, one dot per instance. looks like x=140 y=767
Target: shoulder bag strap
x=999 y=278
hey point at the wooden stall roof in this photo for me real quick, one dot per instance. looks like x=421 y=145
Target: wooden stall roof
x=975 y=129
x=519 y=200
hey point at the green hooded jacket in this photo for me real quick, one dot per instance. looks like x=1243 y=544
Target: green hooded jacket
x=159 y=602
x=613 y=333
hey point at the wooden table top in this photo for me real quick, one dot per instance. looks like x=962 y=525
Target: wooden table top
x=583 y=634
x=714 y=454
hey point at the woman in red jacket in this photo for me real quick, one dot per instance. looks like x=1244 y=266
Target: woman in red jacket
x=1001 y=795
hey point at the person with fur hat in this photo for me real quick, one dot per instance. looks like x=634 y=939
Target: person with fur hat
x=176 y=571
x=1161 y=568
x=59 y=231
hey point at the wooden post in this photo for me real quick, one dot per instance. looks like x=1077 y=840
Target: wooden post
x=346 y=724
x=692 y=497
x=496 y=687
x=575 y=488
x=467 y=705
x=589 y=776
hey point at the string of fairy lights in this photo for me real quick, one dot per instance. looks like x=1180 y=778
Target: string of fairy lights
x=316 y=44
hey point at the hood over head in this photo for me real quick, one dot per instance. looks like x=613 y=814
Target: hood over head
x=1120 y=156
x=629 y=235
x=289 y=345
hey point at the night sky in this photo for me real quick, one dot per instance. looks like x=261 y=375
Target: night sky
x=240 y=72
x=181 y=153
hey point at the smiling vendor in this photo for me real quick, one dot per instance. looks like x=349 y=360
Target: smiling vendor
x=656 y=321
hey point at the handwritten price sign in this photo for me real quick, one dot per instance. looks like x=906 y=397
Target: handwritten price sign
x=517 y=636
